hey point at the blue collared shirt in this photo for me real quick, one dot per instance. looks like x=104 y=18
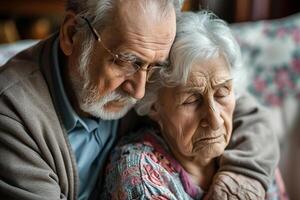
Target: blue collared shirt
x=90 y=138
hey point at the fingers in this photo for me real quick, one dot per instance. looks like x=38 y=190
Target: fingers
x=232 y=186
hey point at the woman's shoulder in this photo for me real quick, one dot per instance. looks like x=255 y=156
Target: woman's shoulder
x=138 y=149
x=139 y=166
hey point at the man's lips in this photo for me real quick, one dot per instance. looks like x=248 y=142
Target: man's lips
x=118 y=103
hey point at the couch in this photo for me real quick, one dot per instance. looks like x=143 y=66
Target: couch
x=271 y=55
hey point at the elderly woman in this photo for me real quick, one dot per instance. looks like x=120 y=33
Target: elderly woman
x=176 y=157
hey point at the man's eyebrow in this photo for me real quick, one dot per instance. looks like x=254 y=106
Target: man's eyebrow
x=130 y=57
x=135 y=59
x=162 y=63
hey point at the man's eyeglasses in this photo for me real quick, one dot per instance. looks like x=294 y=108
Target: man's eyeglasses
x=125 y=66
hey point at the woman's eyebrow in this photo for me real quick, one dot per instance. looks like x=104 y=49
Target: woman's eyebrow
x=191 y=89
x=221 y=83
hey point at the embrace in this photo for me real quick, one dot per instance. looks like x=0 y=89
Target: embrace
x=65 y=102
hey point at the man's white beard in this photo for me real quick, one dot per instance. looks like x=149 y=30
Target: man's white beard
x=97 y=107
x=88 y=97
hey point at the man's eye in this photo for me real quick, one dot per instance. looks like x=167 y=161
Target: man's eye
x=222 y=92
x=138 y=64
x=123 y=63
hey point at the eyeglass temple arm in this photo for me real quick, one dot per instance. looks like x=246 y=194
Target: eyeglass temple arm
x=95 y=33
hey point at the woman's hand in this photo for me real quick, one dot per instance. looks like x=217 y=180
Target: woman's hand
x=231 y=186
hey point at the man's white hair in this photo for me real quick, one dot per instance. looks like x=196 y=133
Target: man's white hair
x=200 y=36
x=99 y=13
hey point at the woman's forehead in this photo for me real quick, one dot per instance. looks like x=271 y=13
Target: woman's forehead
x=202 y=80
x=214 y=69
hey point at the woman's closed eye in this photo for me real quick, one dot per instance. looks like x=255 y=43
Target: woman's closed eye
x=222 y=92
x=193 y=99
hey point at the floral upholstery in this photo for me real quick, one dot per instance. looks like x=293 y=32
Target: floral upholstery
x=271 y=51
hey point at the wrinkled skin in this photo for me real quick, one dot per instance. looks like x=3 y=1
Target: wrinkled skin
x=144 y=34
x=197 y=126
x=232 y=186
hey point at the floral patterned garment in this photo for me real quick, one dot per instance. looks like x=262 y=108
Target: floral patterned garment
x=140 y=167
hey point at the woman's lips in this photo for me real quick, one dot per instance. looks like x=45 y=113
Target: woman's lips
x=208 y=140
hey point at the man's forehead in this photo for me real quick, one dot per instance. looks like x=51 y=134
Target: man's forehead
x=138 y=14
x=147 y=7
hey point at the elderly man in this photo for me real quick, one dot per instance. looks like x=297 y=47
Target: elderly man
x=60 y=101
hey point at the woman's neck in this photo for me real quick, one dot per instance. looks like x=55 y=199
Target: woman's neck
x=200 y=171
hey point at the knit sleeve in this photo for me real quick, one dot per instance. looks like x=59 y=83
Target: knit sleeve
x=253 y=150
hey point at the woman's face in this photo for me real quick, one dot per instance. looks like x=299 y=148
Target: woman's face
x=196 y=119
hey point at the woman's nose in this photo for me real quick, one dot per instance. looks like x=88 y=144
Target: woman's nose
x=212 y=118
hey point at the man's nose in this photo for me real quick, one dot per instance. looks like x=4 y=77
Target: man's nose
x=135 y=85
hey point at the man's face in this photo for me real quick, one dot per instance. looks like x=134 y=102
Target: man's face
x=196 y=118
x=138 y=34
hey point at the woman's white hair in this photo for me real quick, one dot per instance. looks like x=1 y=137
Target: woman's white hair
x=200 y=36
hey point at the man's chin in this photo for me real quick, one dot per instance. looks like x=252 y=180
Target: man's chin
x=109 y=113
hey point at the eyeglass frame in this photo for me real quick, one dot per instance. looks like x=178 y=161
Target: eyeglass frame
x=149 y=68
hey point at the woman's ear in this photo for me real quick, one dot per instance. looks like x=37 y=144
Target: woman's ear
x=66 y=33
x=154 y=112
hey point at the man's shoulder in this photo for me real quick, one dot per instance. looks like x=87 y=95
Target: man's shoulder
x=23 y=86
x=20 y=67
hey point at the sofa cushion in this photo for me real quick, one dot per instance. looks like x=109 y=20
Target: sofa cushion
x=271 y=55
x=271 y=52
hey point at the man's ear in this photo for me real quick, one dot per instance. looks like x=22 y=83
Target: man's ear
x=66 y=33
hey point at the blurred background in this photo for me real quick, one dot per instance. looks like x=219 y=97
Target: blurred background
x=267 y=31
x=29 y=19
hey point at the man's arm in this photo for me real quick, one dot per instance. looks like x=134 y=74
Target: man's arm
x=253 y=149
x=233 y=186
x=248 y=163
x=24 y=174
